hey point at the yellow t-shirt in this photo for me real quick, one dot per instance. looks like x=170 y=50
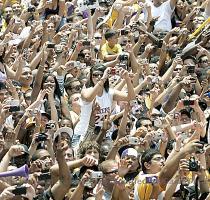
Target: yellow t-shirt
x=107 y=50
x=11 y=2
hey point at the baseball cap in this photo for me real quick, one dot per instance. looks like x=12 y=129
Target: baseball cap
x=25 y=148
x=30 y=122
x=61 y=130
x=129 y=152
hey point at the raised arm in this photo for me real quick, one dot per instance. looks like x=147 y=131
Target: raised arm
x=62 y=186
x=122 y=96
x=173 y=3
x=90 y=93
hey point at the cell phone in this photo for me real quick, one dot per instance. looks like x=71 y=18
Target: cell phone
x=96 y=175
x=191 y=69
x=51 y=45
x=152 y=179
x=133 y=140
x=19 y=190
x=86 y=43
x=44 y=176
x=188 y=102
x=160 y=44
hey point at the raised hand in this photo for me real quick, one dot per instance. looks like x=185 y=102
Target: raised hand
x=99 y=190
x=123 y=167
x=107 y=123
x=89 y=161
x=16 y=150
x=7 y=193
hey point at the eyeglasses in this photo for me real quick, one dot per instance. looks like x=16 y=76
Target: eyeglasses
x=112 y=172
x=98 y=38
x=204 y=61
x=177 y=69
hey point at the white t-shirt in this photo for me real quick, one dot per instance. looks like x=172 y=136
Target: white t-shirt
x=164 y=12
x=105 y=103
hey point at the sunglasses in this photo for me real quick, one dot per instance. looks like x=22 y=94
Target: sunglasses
x=98 y=38
x=204 y=61
x=97 y=75
x=112 y=172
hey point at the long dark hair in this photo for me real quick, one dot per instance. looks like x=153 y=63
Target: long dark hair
x=57 y=91
x=2 y=56
x=98 y=67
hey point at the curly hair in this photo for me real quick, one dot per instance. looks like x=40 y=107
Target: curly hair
x=86 y=146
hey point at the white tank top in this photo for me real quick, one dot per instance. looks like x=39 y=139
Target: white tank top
x=105 y=103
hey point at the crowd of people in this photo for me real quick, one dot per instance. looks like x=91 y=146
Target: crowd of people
x=104 y=99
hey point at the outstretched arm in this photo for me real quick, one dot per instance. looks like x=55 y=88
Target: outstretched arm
x=60 y=189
